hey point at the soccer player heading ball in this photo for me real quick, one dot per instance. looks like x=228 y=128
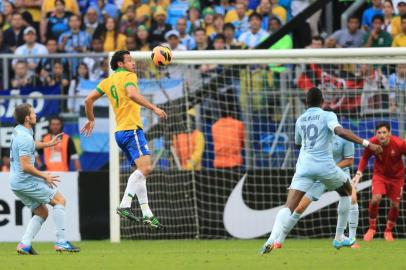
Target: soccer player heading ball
x=121 y=88
x=388 y=178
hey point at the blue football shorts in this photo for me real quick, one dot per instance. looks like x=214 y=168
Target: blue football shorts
x=133 y=144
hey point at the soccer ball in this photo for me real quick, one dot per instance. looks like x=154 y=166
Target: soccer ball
x=161 y=55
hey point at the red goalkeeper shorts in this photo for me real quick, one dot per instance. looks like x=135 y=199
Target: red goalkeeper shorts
x=393 y=188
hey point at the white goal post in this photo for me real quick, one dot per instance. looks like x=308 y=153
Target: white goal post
x=245 y=57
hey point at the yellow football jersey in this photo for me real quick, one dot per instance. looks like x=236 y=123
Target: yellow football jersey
x=128 y=113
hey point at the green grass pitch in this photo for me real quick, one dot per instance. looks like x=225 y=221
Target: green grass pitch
x=209 y=254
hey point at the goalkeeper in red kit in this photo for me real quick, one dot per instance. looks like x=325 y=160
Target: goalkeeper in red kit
x=388 y=178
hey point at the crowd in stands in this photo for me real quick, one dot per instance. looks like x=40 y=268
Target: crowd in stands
x=81 y=26
x=37 y=27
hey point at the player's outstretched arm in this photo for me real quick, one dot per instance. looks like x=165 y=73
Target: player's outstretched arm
x=28 y=167
x=89 y=101
x=350 y=136
x=55 y=140
x=134 y=95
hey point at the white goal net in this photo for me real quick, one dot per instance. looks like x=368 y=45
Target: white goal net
x=225 y=156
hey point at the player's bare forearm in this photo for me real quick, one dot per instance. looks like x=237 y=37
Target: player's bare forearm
x=89 y=101
x=29 y=168
x=133 y=94
x=346 y=162
x=348 y=135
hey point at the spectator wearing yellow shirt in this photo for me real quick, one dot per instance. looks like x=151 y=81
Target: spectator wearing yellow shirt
x=400 y=39
x=141 y=39
x=396 y=22
x=49 y=6
x=143 y=12
x=241 y=23
x=232 y=15
x=208 y=19
x=113 y=39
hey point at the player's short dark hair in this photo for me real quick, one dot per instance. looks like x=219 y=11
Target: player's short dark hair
x=255 y=15
x=314 y=97
x=378 y=17
x=381 y=125
x=21 y=111
x=118 y=56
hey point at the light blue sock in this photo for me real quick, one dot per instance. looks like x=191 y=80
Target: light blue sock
x=353 y=220
x=32 y=229
x=292 y=221
x=59 y=219
x=342 y=210
x=281 y=219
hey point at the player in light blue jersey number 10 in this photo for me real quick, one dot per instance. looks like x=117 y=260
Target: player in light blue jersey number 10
x=314 y=132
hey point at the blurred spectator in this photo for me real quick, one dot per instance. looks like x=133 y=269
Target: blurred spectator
x=176 y=10
x=104 y=9
x=59 y=77
x=278 y=11
x=201 y=39
x=3 y=47
x=264 y=9
x=351 y=36
x=142 y=39
x=43 y=78
x=218 y=24
x=74 y=40
x=223 y=7
x=159 y=28
x=58 y=157
x=388 y=15
x=285 y=43
x=74 y=102
x=317 y=43
x=129 y=24
x=230 y=40
x=90 y=21
x=49 y=6
x=219 y=43
x=31 y=47
x=396 y=23
x=369 y=14
x=143 y=11
x=228 y=140
x=56 y=22
x=400 y=39
x=172 y=37
x=14 y=36
x=21 y=76
x=113 y=39
x=189 y=145
x=3 y=25
x=254 y=36
x=194 y=20
x=208 y=20
x=94 y=63
x=377 y=37
x=5 y=160
x=47 y=63
x=397 y=86
x=241 y=10
x=131 y=44
x=241 y=22
x=374 y=82
x=185 y=39
x=8 y=11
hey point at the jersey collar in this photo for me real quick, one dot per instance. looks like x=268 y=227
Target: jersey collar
x=120 y=70
x=23 y=128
